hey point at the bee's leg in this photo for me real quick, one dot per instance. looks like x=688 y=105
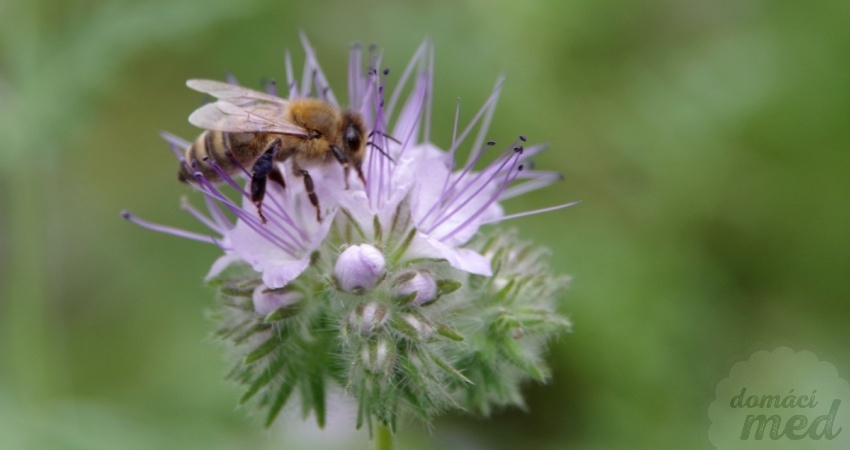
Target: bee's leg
x=342 y=160
x=359 y=172
x=260 y=173
x=311 y=193
x=277 y=177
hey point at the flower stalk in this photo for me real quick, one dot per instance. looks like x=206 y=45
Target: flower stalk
x=383 y=438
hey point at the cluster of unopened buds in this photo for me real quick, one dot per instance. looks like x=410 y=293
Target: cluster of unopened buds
x=395 y=294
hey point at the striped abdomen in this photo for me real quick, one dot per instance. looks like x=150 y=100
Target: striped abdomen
x=227 y=150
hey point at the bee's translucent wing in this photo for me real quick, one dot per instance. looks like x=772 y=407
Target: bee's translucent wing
x=241 y=110
x=232 y=93
x=230 y=118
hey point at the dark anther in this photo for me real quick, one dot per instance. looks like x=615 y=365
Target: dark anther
x=387 y=71
x=381 y=150
x=491 y=143
x=522 y=137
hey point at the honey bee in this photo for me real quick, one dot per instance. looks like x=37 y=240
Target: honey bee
x=252 y=130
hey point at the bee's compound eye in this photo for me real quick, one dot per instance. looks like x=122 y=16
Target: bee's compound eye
x=352 y=136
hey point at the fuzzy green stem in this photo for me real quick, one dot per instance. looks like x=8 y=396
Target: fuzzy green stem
x=383 y=437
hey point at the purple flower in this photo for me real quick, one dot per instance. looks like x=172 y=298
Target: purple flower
x=418 y=315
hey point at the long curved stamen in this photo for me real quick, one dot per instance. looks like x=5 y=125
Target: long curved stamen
x=445 y=216
x=217 y=214
x=539 y=180
x=271 y=212
x=254 y=223
x=499 y=163
x=186 y=206
x=447 y=192
x=169 y=230
x=508 y=179
x=531 y=213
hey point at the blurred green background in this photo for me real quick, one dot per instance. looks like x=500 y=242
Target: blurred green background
x=709 y=142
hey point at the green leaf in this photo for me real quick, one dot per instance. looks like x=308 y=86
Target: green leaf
x=503 y=293
x=454 y=373
x=514 y=353
x=403 y=278
x=237 y=291
x=283 y=313
x=353 y=223
x=264 y=349
x=398 y=252
x=362 y=413
x=445 y=287
x=376 y=224
x=407 y=298
x=449 y=333
x=235 y=274
x=282 y=396
x=265 y=377
x=250 y=332
x=225 y=333
x=317 y=391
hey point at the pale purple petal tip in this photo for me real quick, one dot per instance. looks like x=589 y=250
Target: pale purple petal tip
x=267 y=301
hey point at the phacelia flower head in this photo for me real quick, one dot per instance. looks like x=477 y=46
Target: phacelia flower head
x=383 y=284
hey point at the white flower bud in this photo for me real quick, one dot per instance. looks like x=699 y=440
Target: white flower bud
x=358 y=268
x=368 y=317
x=418 y=325
x=377 y=357
x=267 y=301
x=422 y=284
